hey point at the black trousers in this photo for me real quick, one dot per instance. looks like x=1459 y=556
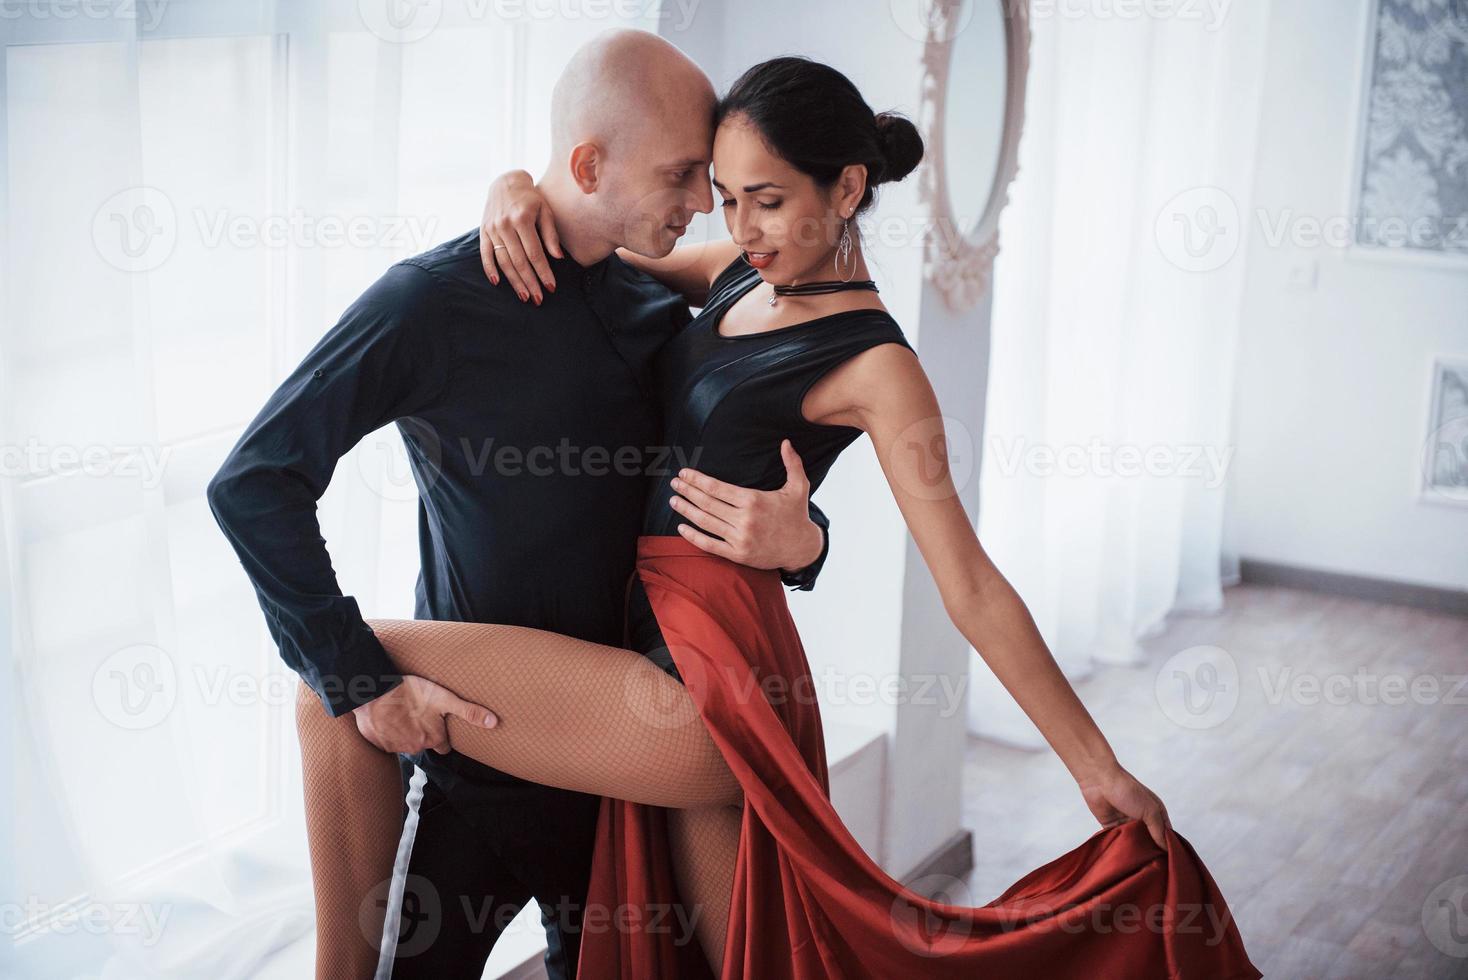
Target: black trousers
x=487 y=843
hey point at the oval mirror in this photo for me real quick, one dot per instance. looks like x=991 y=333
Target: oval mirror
x=976 y=57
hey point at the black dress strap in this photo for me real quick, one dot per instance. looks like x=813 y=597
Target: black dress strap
x=733 y=276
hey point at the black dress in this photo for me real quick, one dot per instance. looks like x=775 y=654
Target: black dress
x=727 y=403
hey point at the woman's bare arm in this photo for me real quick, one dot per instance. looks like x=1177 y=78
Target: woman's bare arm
x=887 y=394
x=688 y=270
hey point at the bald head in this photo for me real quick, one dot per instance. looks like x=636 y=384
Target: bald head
x=632 y=134
x=622 y=85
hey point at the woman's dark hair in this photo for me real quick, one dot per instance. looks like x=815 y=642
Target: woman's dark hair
x=812 y=116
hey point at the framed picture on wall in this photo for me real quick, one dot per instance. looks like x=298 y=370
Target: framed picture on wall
x=1444 y=468
x=1409 y=189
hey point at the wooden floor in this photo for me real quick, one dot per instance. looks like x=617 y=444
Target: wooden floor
x=1334 y=830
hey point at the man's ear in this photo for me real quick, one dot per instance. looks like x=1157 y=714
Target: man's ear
x=586 y=166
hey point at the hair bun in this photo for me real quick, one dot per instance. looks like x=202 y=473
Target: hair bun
x=901 y=144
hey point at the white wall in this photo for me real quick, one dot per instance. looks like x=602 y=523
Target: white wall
x=1331 y=396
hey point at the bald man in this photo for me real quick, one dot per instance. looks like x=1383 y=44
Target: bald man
x=531 y=431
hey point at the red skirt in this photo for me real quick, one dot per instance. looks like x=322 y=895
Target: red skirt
x=808 y=902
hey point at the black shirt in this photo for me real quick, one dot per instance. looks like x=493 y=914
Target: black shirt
x=531 y=432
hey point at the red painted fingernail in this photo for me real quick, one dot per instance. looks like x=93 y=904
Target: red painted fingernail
x=521 y=293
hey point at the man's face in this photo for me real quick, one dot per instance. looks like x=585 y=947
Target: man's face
x=658 y=179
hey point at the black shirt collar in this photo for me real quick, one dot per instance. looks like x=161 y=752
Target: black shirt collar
x=590 y=275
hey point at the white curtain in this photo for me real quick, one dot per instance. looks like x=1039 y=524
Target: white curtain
x=192 y=193
x=1115 y=318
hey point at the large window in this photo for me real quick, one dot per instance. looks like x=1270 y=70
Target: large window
x=193 y=192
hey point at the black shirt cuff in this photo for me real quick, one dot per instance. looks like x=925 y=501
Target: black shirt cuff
x=804 y=579
x=361 y=672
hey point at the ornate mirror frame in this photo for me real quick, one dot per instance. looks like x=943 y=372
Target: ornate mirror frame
x=959 y=262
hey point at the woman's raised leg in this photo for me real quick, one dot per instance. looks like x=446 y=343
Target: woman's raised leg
x=574 y=714
x=578 y=715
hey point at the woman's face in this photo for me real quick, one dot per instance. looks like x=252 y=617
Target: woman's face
x=787 y=225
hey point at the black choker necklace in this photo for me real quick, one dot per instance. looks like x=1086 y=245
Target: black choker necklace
x=818 y=288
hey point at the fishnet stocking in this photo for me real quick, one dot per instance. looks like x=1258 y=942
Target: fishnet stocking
x=572 y=714
x=705 y=844
x=354 y=818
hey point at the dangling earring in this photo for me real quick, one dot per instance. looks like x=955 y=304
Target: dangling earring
x=843 y=251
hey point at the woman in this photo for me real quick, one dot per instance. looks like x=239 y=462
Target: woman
x=717 y=786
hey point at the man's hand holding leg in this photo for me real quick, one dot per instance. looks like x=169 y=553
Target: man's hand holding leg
x=758 y=528
x=414 y=716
